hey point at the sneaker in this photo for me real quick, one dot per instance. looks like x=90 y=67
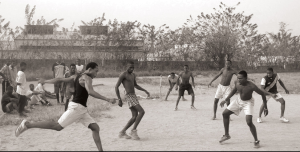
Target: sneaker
x=225 y=137
x=283 y=119
x=124 y=135
x=259 y=120
x=134 y=135
x=256 y=144
x=21 y=128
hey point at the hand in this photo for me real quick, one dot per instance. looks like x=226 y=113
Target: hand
x=266 y=112
x=113 y=100
x=287 y=91
x=274 y=96
x=148 y=94
x=222 y=103
x=209 y=85
x=120 y=103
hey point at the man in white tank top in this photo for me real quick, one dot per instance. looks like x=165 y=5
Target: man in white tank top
x=79 y=66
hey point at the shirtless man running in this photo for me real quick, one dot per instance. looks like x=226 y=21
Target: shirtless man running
x=77 y=109
x=244 y=102
x=128 y=79
x=185 y=85
x=224 y=87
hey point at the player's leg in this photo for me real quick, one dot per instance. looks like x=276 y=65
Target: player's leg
x=226 y=119
x=96 y=135
x=191 y=92
x=170 y=89
x=138 y=119
x=62 y=91
x=216 y=101
x=9 y=107
x=134 y=113
x=180 y=93
x=259 y=120
x=251 y=126
x=282 y=102
x=22 y=103
x=56 y=87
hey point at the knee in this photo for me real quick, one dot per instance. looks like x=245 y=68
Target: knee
x=192 y=94
x=225 y=114
x=283 y=102
x=249 y=123
x=216 y=101
x=142 y=112
x=94 y=127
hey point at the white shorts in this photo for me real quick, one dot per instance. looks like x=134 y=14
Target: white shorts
x=222 y=91
x=278 y=97
x=238 y=105
x=34 y=99
x=76 y=113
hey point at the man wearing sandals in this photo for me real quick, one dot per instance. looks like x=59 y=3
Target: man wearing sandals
x=185 y=85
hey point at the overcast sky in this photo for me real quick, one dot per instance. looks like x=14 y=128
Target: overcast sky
x=267 y=13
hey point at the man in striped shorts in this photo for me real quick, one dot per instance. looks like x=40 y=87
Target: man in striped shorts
x=128 y=79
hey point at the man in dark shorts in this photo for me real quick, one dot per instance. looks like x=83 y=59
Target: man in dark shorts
x=128 y=79
x=185 y=85
x=77 y=109
x=9 y=102
x=58 y=69
x=69 y=87
x=244 y=102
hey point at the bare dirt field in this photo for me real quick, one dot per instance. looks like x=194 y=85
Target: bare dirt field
x=162 y=129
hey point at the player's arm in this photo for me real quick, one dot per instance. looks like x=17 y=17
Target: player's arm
x=56 y=80
x=283 y=86
x=262 y=93
x=216 y=77
x=121 y=78
x=179 y=76
x=89 y=88
x=227 y=100
x=139 y=87
x=192 y=76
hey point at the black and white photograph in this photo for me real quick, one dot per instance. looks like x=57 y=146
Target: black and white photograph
x=149 y=75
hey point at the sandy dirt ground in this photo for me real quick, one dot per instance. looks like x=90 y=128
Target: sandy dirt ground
x=165 y=129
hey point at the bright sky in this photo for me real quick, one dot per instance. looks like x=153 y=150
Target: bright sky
x=267 y=13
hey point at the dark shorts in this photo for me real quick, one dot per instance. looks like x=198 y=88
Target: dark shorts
x=183 y=87
x=59 y=88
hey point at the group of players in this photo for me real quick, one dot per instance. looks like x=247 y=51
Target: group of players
x=83 y=88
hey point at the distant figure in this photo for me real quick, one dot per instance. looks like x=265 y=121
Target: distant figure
x=58 y=69
x=244 y=102
x=79 y=66
x=9 y=102
x=173 y=82
x=13 y=75
x=4 y=72
x=21 y=89
x=269 y=84
x=33 y=97
x=185 y=85
x=69 y=87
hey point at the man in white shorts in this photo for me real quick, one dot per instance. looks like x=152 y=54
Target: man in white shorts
x=77 y=109
x=244 y=102
x=172 y=78
x=224 y=87
x=268 y=83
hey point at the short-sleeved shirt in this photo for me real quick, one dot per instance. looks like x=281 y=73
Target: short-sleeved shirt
x=263 y=80
x=21 y=78
x=6 y=100
x=39 y=88
x=173 y=80
x=59 y=69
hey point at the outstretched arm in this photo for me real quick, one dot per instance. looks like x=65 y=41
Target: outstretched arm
x=139 y=87
x=262 y=88
x=89 y=88
x=216 y=77
x=281 y=83
x=56 y=80
x=233 y=91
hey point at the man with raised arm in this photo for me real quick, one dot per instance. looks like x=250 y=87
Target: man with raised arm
x=128 y=79
x=243 y=102
x=185 y=85
x=77 y=109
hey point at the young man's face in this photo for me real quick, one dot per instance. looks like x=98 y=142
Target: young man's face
x=269 y=73
x=186 y=68
x=23 y=68
x=227 y=64
x=12 y=64
x=130 y=68
x=172 y=76
x=78 y=62
x=72 y=69
x=241 y=79
x=94 y=71
x=31 y=87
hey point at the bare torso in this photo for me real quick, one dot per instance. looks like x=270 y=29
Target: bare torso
x=246 y=90
x=227 y=76
x=128 y=82
x=185 y=77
